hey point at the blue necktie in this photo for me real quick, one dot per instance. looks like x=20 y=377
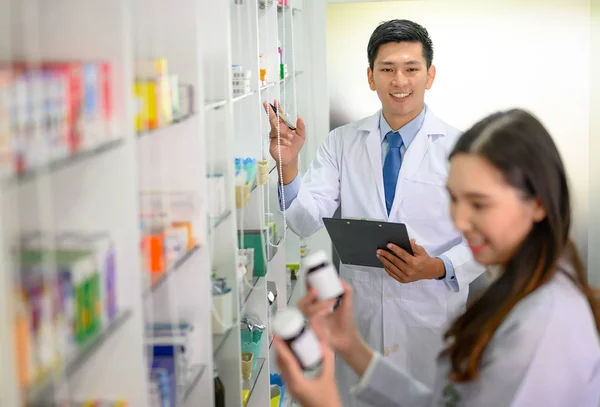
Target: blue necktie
x=391 y=168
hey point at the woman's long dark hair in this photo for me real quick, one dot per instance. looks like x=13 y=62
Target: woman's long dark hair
x=519 y=146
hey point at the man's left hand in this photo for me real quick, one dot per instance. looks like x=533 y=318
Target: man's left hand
x=403 y=267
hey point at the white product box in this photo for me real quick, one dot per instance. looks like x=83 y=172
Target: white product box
x=240 y=83
x=222 y=314
x=241 y=91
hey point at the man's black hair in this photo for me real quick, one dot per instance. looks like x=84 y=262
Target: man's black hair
x=399 y=31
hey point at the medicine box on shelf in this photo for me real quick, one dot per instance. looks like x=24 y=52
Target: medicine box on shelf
x=252 y=239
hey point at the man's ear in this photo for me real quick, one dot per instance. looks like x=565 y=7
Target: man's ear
x=370 y=78
x=430 y=77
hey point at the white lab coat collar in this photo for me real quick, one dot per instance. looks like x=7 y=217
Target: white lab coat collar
x=432 y=128
x=433 y=125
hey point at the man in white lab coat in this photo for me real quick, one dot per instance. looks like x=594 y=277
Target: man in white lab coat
x=390 y=166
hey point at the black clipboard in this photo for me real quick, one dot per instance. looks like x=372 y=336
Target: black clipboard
x=357 y=240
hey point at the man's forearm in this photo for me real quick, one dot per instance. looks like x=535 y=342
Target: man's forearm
x=290 y=172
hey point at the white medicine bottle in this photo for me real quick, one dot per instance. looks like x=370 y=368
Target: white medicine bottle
x=323 y=276
x=289 y=324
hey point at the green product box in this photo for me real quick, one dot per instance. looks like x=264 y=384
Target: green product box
x=252 y=239
x=80 y=269
x=81 y=314
x=95 y=303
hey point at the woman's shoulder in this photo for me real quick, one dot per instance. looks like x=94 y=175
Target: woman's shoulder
x=555 y=316
x=557 y=302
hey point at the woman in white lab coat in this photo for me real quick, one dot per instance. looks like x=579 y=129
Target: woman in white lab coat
x=531 y=339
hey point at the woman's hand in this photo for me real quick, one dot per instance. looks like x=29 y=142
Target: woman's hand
x=339 y=329
x=320 y=391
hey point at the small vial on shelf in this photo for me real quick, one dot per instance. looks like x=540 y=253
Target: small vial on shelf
x=219 y=388
x=323 y=276
x=262 y=69
x=289 y=324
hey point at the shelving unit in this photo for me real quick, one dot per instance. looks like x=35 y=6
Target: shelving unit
x=157 y=280
x=140 y=177
x=43 y=389
x=64 y=162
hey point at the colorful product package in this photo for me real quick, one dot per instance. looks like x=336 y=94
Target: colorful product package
x=81 y=266
x=106 y=95
x=91 y=115
x=55 y=115
x=23 y=339
x=103 y=248
x=73 y=79
x=146 y=95
x=175 y=244
x=6 y=134
x=42 y=302
x=101 y=295
x=154 y=244
x=76 y=269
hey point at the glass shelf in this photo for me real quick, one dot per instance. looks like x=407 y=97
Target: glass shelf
x=63 y=162
x=254 y=282
x=219 y=340
x=291 y=292
x=216 y=222
x=156 y=280
x=43 y=389
x=250 y=384
x=149 y=132
x=214 y=104
x=242 y=97
x=195 y=376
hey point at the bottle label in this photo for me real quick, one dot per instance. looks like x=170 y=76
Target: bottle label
x=327 y=283
x=307 y=348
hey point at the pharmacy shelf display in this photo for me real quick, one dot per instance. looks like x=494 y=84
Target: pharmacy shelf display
x=143 y=254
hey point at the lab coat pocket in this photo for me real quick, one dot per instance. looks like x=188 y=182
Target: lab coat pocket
x=424 y=304
x=433 y=178
x=425 y=197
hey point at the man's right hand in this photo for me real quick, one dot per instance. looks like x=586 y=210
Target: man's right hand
x=291 y=143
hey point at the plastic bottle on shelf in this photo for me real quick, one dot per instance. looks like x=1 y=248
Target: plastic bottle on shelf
x=262 y=63
x=303 y=249
x=280 y=53
x=242 y=260
x=219 y=388
x=164 y=89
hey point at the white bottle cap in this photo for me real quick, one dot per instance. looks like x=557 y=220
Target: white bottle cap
x=288 y=323
x=315 y=259
x=325 y=279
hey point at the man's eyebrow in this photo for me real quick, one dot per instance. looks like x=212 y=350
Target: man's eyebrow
x=412 y=62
